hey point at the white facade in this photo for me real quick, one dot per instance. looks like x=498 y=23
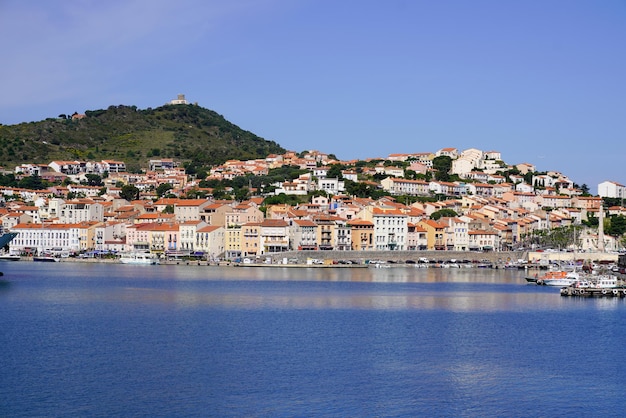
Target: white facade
x=331 y=185
x=390 y=230
x=37 y=238
x=611 y=189
x=398 y=186
x=79 y=211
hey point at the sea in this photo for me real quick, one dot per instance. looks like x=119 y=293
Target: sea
x=91 y=339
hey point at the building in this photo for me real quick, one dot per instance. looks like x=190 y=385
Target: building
x=303 y=235
x=274 y=236
x=435 y=234
x=180 y=99
x=611 y=189
x=362 y=234
x=390 y=229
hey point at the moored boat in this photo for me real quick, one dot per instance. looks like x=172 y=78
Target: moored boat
x=47 y=258
x=9 y=257
x=139 y=258
x=556 y=278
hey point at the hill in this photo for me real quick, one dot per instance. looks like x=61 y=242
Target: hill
x=188 y=133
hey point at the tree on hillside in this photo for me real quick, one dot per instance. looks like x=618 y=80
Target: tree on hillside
x=442 y=164
x=93 y=180
x=129 y=192
x=335 y=171
x=617 y=226
x=32 y=182
x=443 y=213
x=163 y=188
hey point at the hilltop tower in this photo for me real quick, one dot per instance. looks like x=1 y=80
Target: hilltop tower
x=179 y=100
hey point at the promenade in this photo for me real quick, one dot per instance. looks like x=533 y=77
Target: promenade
x=496 y=258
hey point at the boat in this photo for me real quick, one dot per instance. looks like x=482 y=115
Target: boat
x=556 y=278
x=46 y=258
x=595 y=285
x=139 y=258
x=604 y=281
x=10 y=257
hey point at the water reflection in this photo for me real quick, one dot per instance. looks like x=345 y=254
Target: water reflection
x=396 y=288
x=449 y=301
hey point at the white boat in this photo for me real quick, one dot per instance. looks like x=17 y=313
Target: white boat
x=46 y=258
x=139 y=258
x=10 y=257
x=604 y=281
x=561 y=278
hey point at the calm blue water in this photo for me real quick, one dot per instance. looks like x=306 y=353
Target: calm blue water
x=118 y=340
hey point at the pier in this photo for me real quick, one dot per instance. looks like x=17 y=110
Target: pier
x=591 y=292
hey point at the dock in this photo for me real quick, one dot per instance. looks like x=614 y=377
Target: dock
x=591 y=292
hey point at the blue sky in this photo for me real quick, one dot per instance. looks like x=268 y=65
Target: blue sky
x=540 y=81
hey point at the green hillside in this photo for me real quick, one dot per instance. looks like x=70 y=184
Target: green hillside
x=191 y=134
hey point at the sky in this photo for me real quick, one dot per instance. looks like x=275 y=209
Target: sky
x=540 y=81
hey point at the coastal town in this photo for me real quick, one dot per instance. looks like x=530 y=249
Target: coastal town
x=495 y=207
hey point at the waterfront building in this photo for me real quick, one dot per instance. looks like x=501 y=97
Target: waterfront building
x=109 y=236
x=303 y=235
x=187 y=234
x=481 y=240
x=326 y=231
x=163 y=238
x=456 y=233
x=362 y=234
x=343 y=235
x=210 y=241
x=416 y=237
x=251 y=239
x=274 y=236
x=232 y=241
x=435 y=234
x=390 y=229
x=86 y=232
x=35 y=238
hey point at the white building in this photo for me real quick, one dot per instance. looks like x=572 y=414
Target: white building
x=611 y=189
x=37 y=238
x=390 y=229
x=331 y=186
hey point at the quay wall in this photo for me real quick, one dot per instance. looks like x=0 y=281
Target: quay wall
x=397 y=256
x=495 y=257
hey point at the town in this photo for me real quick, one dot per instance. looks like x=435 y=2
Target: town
x=486 y=211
